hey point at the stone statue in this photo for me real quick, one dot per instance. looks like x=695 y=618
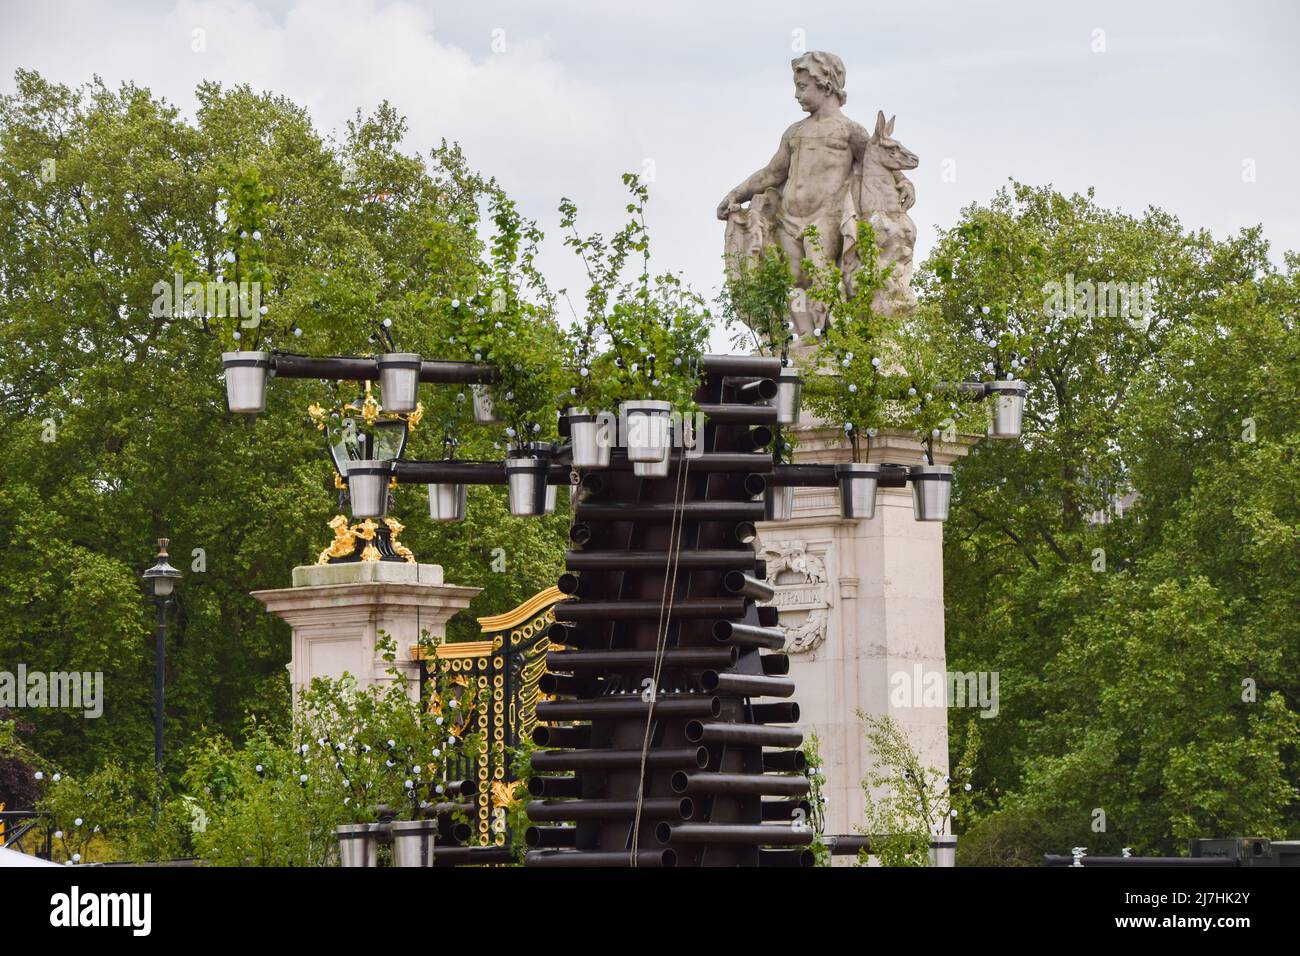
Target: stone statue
x=828 y=173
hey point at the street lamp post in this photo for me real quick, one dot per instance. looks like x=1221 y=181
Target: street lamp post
x=160 y=580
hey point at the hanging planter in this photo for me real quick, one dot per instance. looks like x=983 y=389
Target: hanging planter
x=857 y=489
x=246 y=375
x=368 y=487
x=778 y=503
x=399 y=381
x=358 y=844
x=647 y=433
x=484 y=410
x=447 y=501
x=413 y=842
x=789 y=397
x=591 y=434
x=931 y=491
x=526 y=488
x=1007 y=409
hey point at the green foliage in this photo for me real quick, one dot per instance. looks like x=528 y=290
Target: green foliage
x=108 y=815
x=638 y=339
x=816 y=799
x=1147 y=659
x=907 y=802
x=756 y=302
x=116 y=418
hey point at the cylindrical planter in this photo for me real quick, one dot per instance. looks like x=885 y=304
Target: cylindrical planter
x=368 y=487
x=484 y=411
x=1008 y=408
x=647 y=430
x=789 y=397
x=526 y=488
x=246 y=374
x=931 y=491
x=857 y=489
x=358 y=844
x=592 y=436
x=399 y=381
x=447 y=501
x=413 y=842
x=778 y=503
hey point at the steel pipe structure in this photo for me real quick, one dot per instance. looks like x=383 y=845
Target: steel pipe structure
x=664 y=581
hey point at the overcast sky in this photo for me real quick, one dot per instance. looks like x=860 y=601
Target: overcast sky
x=1169 y=104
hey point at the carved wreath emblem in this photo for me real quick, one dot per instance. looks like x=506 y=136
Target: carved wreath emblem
x=799 y=577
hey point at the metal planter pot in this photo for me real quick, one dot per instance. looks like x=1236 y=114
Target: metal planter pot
x=789 y=397
x=526 y=490
x=931 y=491
x=857 y=490
x=413 y=842
x=358 y=844
x=647 y=430
x=592 y=436
x=1007 y=408
x=447 y=501
x=484 y=410
x=778 y=503
x=399 y=381
x=368 y=487
x=246 y=375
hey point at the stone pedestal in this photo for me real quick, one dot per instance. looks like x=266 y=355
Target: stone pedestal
x=861 y=602
x=337 y=612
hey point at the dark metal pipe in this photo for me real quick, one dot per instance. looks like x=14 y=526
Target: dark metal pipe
x=457 y=373
x=603 y=611
x=563 y=685
x=738 y=582
x=544 y=736
x=755 y=485
x=460 y=832
x=569 y=583
x=793 y=858
x=761 y=436
x=540 y=786
x=675 y=758
x=769 y=616
x=739 y=414
x=571 y=636
x=630 y=706
x=730 y=833
x=472 y=855
x=745 y=532
x=677 y=658
x=786 y=810
x=349 y=368
x=718 y=559
x=578 y=858
x=461 y=788
x=755 y=735
x=785 y=712
x=1050 y=859
x=756 y=390
x=738 y=784
x=804 y=476
x=746 y=685
x=756 y=366
x=783 y=761
x=747 y=635
x=665 y=510
x=709 y=462
x=551 y=836
x=670 y=808
x=775 y=665
x=446 y=806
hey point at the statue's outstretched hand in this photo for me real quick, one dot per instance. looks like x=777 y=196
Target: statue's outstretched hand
x=727 y=206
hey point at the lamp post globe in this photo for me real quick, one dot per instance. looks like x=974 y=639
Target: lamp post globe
x=160 y=580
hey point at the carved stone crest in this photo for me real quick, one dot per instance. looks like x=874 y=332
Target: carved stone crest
x=802 y=593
